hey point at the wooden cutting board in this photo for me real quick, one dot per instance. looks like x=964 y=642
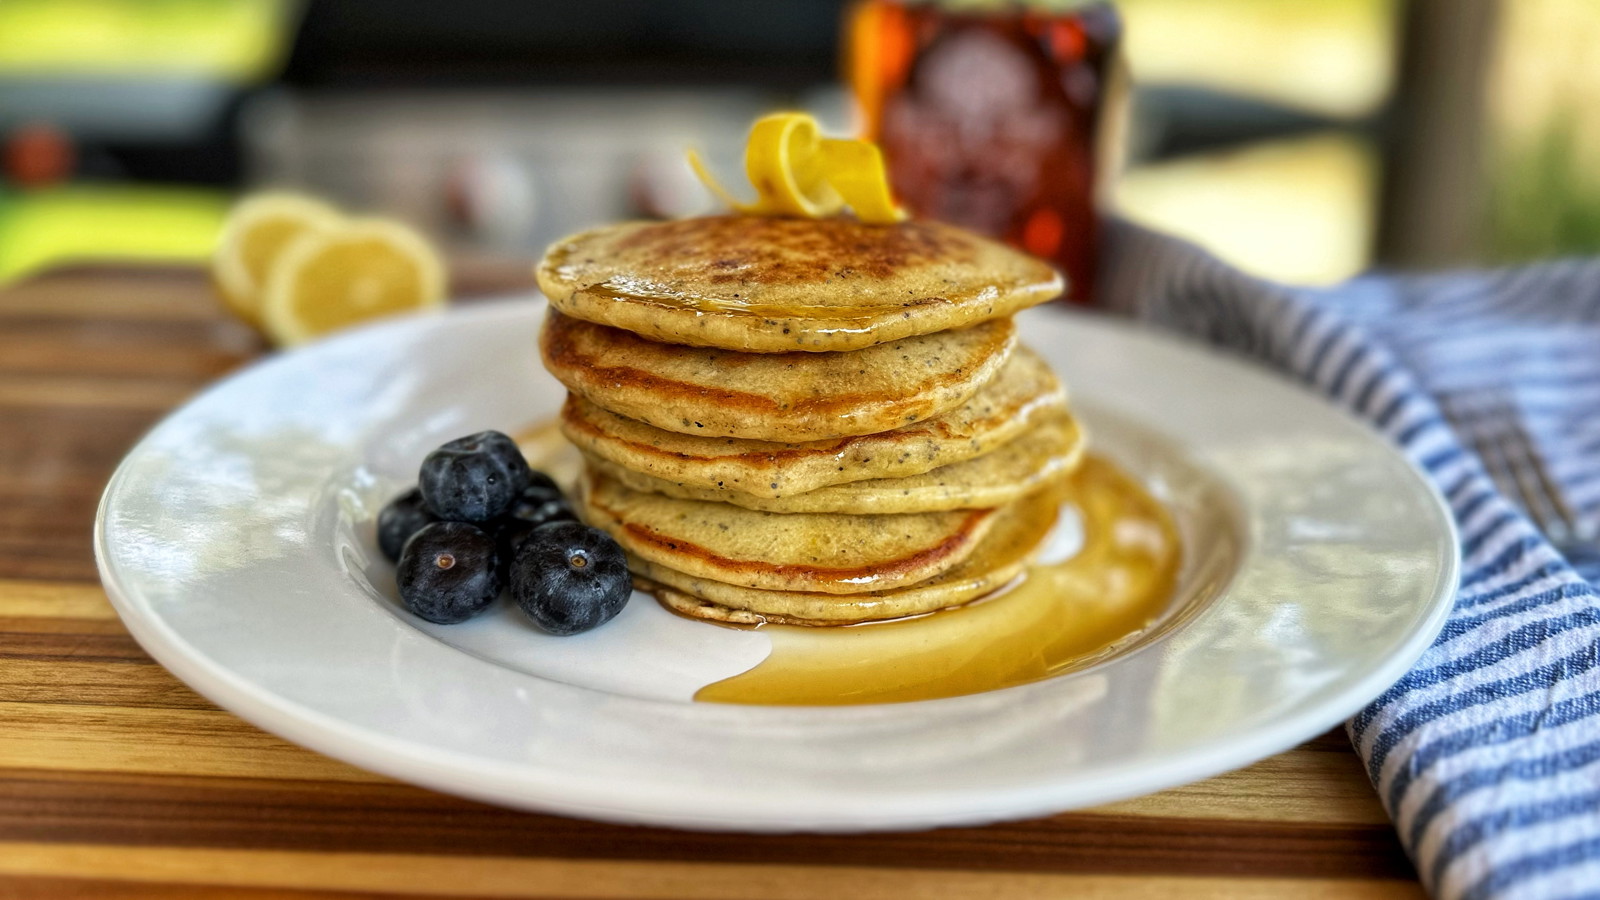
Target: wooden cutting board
x=118 y=781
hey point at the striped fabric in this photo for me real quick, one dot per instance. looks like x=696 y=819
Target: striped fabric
x=1487 y=754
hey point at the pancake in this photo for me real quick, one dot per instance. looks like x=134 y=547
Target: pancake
x=1019 y=533
x=1002 y=410
x=768 y=285
x=774 y=396
x=1052 y=448
x=813 y=552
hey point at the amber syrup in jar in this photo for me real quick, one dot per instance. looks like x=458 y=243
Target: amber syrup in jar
x=991 y=115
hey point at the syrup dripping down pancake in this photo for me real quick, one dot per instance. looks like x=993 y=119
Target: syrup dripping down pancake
x=827 y=553
x=1003 y=410
x=774 y=396
x=1051 y=448
x=1013 y=542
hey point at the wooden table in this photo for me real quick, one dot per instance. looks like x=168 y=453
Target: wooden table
x=118 y=781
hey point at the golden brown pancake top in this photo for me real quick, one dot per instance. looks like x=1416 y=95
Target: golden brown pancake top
x=767 y=284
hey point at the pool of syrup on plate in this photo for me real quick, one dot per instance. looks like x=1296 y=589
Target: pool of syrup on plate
x=1058 y=616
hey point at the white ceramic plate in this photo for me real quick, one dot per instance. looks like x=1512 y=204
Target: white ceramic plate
x=236 y=541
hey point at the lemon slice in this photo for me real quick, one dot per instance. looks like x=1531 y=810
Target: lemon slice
x=715 y=186
x=797 y=172
x=783 y=159
x=856 y=170
x=369 y=268
x=255 y=236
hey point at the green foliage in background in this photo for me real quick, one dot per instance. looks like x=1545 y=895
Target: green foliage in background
x=39 y=229
x=239 y=40
x=1545 y=200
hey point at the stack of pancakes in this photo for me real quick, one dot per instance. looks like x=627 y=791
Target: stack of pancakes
x=808 y=421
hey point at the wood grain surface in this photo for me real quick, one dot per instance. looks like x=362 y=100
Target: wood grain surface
x=118 y=781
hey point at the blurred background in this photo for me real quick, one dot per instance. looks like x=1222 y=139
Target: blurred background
x=1304 y=141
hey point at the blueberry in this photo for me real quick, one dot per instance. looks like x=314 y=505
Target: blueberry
x=508 y=536
x=541 y=486
x=570 y=578
x=535 y=506
x=473 y=479
x=404 y=516
x=449 y=572
x=539 y=510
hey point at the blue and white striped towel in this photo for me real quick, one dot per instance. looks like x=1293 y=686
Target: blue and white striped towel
x=1487 y=754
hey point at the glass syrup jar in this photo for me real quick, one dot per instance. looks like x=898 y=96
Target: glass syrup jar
x=997 y=115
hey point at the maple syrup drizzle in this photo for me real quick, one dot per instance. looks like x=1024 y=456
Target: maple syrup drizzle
x=1057 y=617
